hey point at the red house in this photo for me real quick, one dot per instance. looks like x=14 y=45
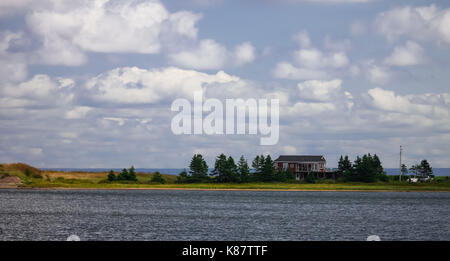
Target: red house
x=301 y=164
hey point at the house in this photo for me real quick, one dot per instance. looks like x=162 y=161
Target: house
x=301 y=165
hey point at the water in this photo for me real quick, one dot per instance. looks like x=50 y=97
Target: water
x=222 y=215
x=389 y=171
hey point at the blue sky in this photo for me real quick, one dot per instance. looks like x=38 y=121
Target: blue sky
x=90 y=83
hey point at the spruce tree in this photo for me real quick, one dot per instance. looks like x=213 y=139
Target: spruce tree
x=198 y=168
x=268 y=169
x=220 y=168
x=243 y=170
x=231 y=171
x=123 y=175
x=425 y=169
x=182 y=177
x=132 y=174
x=158 y=178
x=111 y=176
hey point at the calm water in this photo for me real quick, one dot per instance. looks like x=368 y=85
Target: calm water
x=222 y=215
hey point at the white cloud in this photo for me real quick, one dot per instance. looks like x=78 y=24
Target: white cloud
x=289 y=150
x=315 y=59
x=409 y=54
x=40 y=90
x=303 y=39
x=244 y=53
x=378 y=75
x=387 y=100
x=78 y=112
x=132 y=85
x=311 y=108
x=109 y=27
x=312 y=63
x=67 y=31
x=285 y=70
x=119 y=121
x=320 y=90
x=425 y=23
x=316 y=117
x=13 y=65
x=210 y=55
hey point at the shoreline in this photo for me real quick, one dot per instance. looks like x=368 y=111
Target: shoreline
x=223 y=189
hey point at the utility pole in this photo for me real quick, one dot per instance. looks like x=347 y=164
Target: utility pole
x=401 y=163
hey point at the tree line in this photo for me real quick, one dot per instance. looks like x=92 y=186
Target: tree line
x=423 y=169
x=129 y=175
x=226 y=170
x=367 y=168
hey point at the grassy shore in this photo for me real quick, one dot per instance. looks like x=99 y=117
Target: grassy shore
x=34 y=178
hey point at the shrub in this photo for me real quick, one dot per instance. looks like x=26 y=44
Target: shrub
x=182 y=177
x=129 y=175
x=111 y=176
x=158 y=178
x=382 y=177
x=28 y=172
x=310 y=178
x=37 y=176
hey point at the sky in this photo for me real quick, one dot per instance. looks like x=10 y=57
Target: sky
x=90 y=83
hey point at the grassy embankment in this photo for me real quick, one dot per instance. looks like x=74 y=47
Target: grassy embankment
x=35 y=178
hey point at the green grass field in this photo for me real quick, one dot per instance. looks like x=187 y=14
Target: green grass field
x=34 y=178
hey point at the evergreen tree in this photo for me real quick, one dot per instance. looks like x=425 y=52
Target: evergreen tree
x=366 y=169
x=123 y=175
x=198 y=168
x=347 y=164
x=376 y=162
x=220 y=168
x=255 y=163
x=341 y=164
x=158 y=178
x=380 y=174
x=243 y=170
x=182 y=177
x=425 y=169
x=415 y=169
x=344 y=164
x=268 y=169
x=262 y=161
x=231 y=171
x=132 y=174
x=111 y=176
x=258 y=164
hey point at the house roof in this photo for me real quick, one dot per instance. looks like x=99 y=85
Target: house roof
x=300 y=158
